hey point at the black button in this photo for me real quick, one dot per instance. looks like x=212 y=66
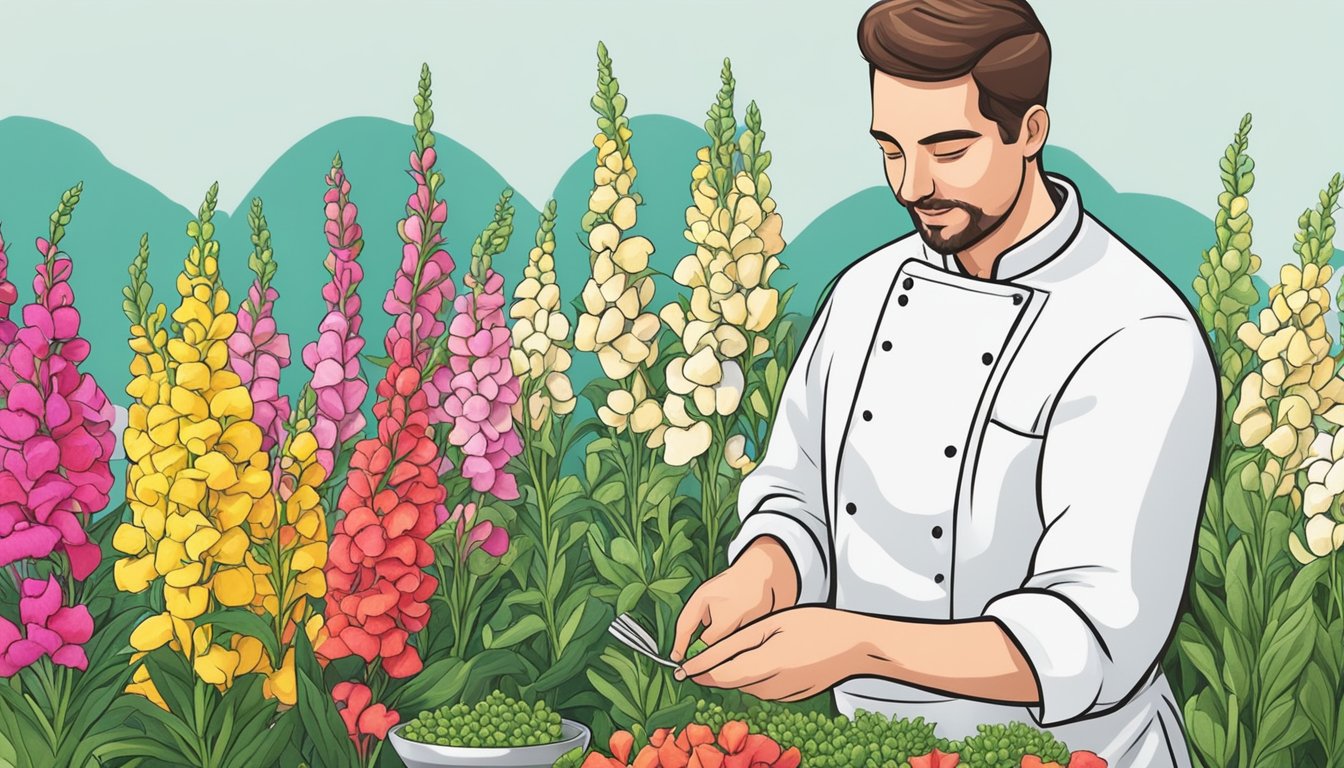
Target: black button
x=937 y=531
x=1017 y=298
x=902 y=300
x=907 y=284
x=938 y=578
x=850 y=508
x=986 y=358
x=886 y=346
x=950 y=451
x=867 y=415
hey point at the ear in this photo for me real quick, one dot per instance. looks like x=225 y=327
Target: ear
x=1035 y=130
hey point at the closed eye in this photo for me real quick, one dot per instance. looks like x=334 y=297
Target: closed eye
x=951 y=155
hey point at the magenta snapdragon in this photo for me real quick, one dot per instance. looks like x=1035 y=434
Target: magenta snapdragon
x=50 y=628
x=334 y=356
x=55 y=427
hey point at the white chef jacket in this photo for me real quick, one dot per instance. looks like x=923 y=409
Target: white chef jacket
x=1032 y=447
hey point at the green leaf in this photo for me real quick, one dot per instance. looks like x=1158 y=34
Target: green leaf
x=629 y=597
x=1236 y=672
x=669 y=589
x=1339 y=731
x=1206 y=734
x=1236 y=505
x=610 y=492
x=561 y=672
x=437 y=684
x=1238 y=586
x=1236 y=739
x=612 y=571
x=618 y=700
x=1278 y=728
x=271 y=743
x=592 y=467
x=1202 y=658
x=1318 y=703
x=322 y=728
x=524 y=597
x=568 y=629
x=1286 y=652
x=244 y=623
x=623 y=551
x=173 y=680
x=525 y=627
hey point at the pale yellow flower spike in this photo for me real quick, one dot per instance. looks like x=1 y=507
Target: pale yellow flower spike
x=538 y=323
x=616 y=324
x=736 y=233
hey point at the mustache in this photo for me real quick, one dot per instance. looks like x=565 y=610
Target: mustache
x=932 y=204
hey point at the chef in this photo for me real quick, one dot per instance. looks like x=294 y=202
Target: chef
x=980 y=496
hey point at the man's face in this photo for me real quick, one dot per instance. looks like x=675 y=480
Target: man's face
x=945 y=161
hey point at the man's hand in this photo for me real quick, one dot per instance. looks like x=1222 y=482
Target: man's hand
x=761 y=581
x=787 y=656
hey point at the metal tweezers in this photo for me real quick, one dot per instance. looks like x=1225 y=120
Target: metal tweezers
x=628 y=631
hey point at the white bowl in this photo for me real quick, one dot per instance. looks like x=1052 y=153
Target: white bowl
x=420 y=755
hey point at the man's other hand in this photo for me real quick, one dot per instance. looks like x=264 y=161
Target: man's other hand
x=787 y=656
x=763 y=580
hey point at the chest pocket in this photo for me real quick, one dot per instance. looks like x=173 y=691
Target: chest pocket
x=1003 y=501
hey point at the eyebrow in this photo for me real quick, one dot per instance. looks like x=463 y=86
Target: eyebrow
x=927 y=140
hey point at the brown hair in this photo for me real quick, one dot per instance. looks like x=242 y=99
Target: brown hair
x=1000 y=43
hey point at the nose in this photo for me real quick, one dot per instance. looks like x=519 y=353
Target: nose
x=916 y=182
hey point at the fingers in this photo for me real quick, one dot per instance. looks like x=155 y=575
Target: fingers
x=723 y=624
x=753 y=668
x=750 y=636
x=693 y=616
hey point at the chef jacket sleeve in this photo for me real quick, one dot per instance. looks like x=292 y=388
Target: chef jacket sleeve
x=1124 y=465
x=782 y=496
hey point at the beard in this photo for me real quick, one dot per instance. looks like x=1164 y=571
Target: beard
x=978 y=225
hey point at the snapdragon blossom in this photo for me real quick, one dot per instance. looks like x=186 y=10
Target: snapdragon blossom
x=49 y=628
x=334 y=356
x=257 y=351
x=378 y=591
x=478 y=382
x=55 y=427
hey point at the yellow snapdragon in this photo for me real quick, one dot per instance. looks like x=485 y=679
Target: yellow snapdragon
x=198 y=486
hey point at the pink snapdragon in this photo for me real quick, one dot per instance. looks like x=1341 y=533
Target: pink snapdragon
x=483 y=535
x=334 y=356
x=378 y=590
x=55 y=427
x=424 y=279
x=257 y=350
x=479 y=387
x=49 y=629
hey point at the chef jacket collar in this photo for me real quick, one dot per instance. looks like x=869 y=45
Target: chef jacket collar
x=1039 y=247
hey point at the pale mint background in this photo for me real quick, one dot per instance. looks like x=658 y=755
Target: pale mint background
x=181 y=93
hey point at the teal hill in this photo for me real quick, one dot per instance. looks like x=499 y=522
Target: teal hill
x=39 y=160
